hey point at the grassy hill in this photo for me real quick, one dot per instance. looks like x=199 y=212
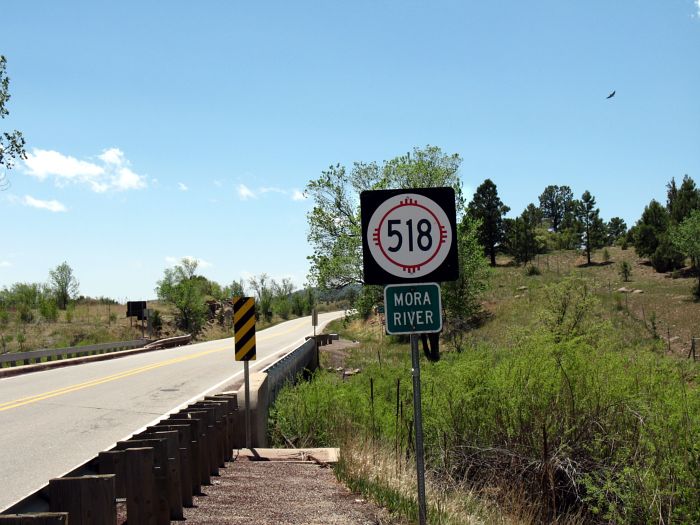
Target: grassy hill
x=569 y=402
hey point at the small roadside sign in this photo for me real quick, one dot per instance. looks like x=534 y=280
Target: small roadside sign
x=314 y=317
x=244 y=328
x=413 y=308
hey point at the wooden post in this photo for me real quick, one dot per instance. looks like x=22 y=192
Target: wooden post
x=87 y=499
x=141 y=502
x=167 y=507
x=199 y=471
x=43 y=518
x=172 y=466
x=187 y=482
x=114 y=462
x=208 y=419
x=199 y=436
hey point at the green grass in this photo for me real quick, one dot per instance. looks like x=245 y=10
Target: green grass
x=589 y=419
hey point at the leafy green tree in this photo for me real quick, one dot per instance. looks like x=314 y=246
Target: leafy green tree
x=182 y=288
x=263 y=286
x=334 y=222
x=617 y=229
x=11 y=143
x=487 y=208
x=64 y=284
x=650 y=228
x=666 y=256
x=461 y=297
x=282 y=300
x=682 y=201
x=593 y=226
x=235 y=289
x=686 y=239
x=555 y=203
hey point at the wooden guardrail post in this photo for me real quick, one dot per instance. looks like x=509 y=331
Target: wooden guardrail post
x=43 y=518
x=114 y=462
x=172 y=466
x=200 y=461
x=87 y=499
x=166 y=508
x=141 y=501
x=221 y=423
x=209 y=437
x=189 y=485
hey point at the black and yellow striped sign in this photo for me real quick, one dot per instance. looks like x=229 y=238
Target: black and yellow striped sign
x=244 y=328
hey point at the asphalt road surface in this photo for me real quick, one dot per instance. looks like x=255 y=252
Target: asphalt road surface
x=55 y=420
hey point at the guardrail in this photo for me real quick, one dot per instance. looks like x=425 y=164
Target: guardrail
x=157 y=471
x=50 y=354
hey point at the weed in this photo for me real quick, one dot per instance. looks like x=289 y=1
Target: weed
x=532 y=270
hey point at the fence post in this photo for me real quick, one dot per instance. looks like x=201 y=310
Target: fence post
x=141 y=504
x=87 y=499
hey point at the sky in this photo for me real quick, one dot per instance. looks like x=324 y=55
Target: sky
x=162 y=130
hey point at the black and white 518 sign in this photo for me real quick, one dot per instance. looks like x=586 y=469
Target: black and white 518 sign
x=409 y=235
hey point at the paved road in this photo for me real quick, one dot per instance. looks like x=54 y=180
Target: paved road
x=55 y=420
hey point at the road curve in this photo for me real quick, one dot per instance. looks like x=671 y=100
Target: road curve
x=55 y=420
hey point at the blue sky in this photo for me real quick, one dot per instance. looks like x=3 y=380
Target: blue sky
x=161 y=130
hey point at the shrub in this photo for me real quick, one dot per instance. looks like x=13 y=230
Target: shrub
x=606 y=256
x=25 y=313
x=156 y=321
x=666 y=257
x=49 y=309
x=4 y=317
x=532 y=270
x=625 y=270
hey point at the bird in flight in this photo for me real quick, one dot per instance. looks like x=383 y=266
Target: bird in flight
x=611 y=95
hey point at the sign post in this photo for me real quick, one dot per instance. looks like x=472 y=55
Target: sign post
x=408 y=244
x=244 y=333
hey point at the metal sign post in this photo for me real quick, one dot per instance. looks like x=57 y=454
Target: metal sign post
x=246 y=374
x=418 y=426
x=244 y=332
x=408 y=240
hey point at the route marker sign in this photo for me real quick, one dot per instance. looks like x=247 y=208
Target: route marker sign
x=244 y=328
x=413 y=308
x=409 y=235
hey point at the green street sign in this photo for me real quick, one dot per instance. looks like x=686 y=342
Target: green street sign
x=413 y=308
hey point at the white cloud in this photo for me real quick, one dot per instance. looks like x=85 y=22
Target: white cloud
x=182 y=187
x=5 y=264
x=112 y=173
x=245 y=193
x=298 y=195
x=174 y=261
x=697 y=5
x=272 y=189
x=53 y=205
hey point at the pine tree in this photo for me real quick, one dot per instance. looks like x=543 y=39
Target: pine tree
x=488 y=208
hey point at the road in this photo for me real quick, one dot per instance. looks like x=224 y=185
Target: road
x=55 y=420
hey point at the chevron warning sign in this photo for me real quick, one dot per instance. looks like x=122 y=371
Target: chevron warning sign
x=244 y=328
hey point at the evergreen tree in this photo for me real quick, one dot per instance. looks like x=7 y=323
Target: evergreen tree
x=487 y=208
x=649 y=228
x=617 y=229
x=682 y=201
x=592 y=225
x=555 y=202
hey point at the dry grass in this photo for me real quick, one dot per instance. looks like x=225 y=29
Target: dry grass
x=665 y=308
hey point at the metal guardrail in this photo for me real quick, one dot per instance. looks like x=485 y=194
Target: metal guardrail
x=287 y=368
x=50 y=354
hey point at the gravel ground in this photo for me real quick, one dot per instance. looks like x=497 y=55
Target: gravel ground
x=281 y=493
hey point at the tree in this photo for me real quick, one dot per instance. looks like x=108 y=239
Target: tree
x=616 y=229
x=263 y=287
x=649 y=228
x=521 y=238
x=334 y=222
x=182 y=288
x=63 y=284
x=682 y=201
x=488 y=209
x=555 y=202
x=686 y=239
x=593 y=226
x=11 y=143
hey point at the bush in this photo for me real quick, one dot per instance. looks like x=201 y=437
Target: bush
x=49 y=309
x=532 y=271
x=4 y=317
x=156 y=321
x=606 y=256
x=625 y=270
x=25 y=313
x=666 y=257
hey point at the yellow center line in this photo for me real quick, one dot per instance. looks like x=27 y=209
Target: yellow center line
x=8 y=405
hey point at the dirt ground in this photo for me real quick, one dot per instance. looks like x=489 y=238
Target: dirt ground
x=281 y=493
